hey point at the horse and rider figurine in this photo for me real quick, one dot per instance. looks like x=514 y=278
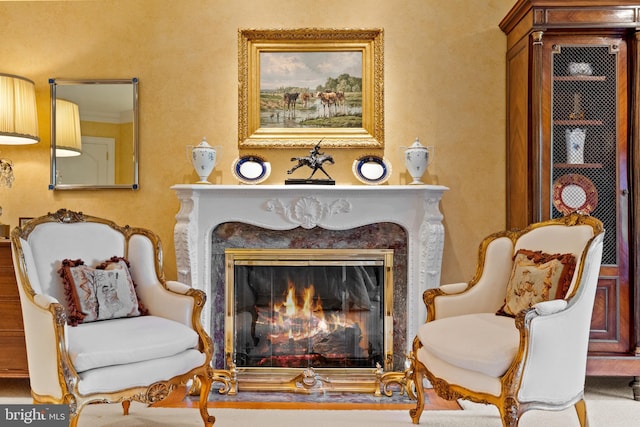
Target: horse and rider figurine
x=315 y=160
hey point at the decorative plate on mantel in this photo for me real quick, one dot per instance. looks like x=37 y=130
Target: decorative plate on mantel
x=574 y=193
x=371 y=170
x=251 y=169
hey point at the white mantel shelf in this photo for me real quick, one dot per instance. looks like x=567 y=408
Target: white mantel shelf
x=333 y=207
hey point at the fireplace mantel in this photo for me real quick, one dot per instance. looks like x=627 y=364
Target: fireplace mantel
x=285 y=207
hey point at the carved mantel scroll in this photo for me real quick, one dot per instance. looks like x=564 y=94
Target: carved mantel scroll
x=279 y=207
x=307 y=212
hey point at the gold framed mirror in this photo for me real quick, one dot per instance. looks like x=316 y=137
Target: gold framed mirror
x=94 y=134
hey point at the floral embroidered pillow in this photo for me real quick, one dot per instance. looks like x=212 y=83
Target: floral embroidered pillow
x=536 y=277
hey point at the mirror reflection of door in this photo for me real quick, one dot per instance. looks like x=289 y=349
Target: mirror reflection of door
x=95 y=166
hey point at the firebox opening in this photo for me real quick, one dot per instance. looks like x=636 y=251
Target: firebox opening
x=310 y=308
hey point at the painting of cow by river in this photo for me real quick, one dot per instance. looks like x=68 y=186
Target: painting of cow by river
x=311 y=89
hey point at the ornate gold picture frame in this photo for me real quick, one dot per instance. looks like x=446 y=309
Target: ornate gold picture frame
x=299 y=86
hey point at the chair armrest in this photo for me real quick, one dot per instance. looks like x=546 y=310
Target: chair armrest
x=456 y=299
x=442 y=293
x=44 y=301
x=175 y=301
x=546 y=308
x=454 y=288
x=198 y=298
x=553 y=340
x=178 y=287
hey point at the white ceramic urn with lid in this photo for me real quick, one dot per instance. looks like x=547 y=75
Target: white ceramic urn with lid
x=416 y=160
x=203 y=158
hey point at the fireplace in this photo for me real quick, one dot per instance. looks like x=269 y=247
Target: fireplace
x=306 y=217
x=326 y=310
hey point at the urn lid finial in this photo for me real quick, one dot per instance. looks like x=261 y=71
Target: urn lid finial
x=416 y=143
x=204 y=142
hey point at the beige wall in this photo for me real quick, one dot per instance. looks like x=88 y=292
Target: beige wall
x=444 y=82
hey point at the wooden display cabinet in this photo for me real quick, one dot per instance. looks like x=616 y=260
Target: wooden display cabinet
x=13 y=354
x=573 y=142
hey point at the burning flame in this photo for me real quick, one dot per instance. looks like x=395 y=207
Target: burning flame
x=302 y=318
x=289 y=303
x=297 y=325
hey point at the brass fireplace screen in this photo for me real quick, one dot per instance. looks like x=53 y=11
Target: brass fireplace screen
x=306 y=319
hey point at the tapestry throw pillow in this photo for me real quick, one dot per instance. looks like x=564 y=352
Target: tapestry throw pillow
x=101 y=293
x=537 y=276
x=124 y=302
x=79 y=292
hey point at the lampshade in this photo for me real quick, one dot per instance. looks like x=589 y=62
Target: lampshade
x=68 y=139
x=18 y=113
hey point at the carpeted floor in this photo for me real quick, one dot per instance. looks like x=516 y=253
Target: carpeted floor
x=609 y=404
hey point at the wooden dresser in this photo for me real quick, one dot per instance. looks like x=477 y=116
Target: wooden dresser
x=13 y=354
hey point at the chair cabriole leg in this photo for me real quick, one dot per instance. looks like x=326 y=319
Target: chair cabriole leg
x=205 y=388
x=416 y=412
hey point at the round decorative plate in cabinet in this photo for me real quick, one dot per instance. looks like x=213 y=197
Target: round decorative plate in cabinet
x=371 y=170
x=574 y=193
x=251 y=169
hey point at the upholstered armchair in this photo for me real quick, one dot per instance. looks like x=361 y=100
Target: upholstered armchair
x=516 y=335
x=136 y=336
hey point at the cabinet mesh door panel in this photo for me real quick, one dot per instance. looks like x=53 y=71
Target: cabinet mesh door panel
x=583 y=150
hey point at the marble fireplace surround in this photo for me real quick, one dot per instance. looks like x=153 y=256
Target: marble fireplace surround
x=285 y=207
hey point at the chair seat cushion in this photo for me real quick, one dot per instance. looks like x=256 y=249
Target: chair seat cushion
x=480 y=342
x=127 y=340
x=140 y=374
